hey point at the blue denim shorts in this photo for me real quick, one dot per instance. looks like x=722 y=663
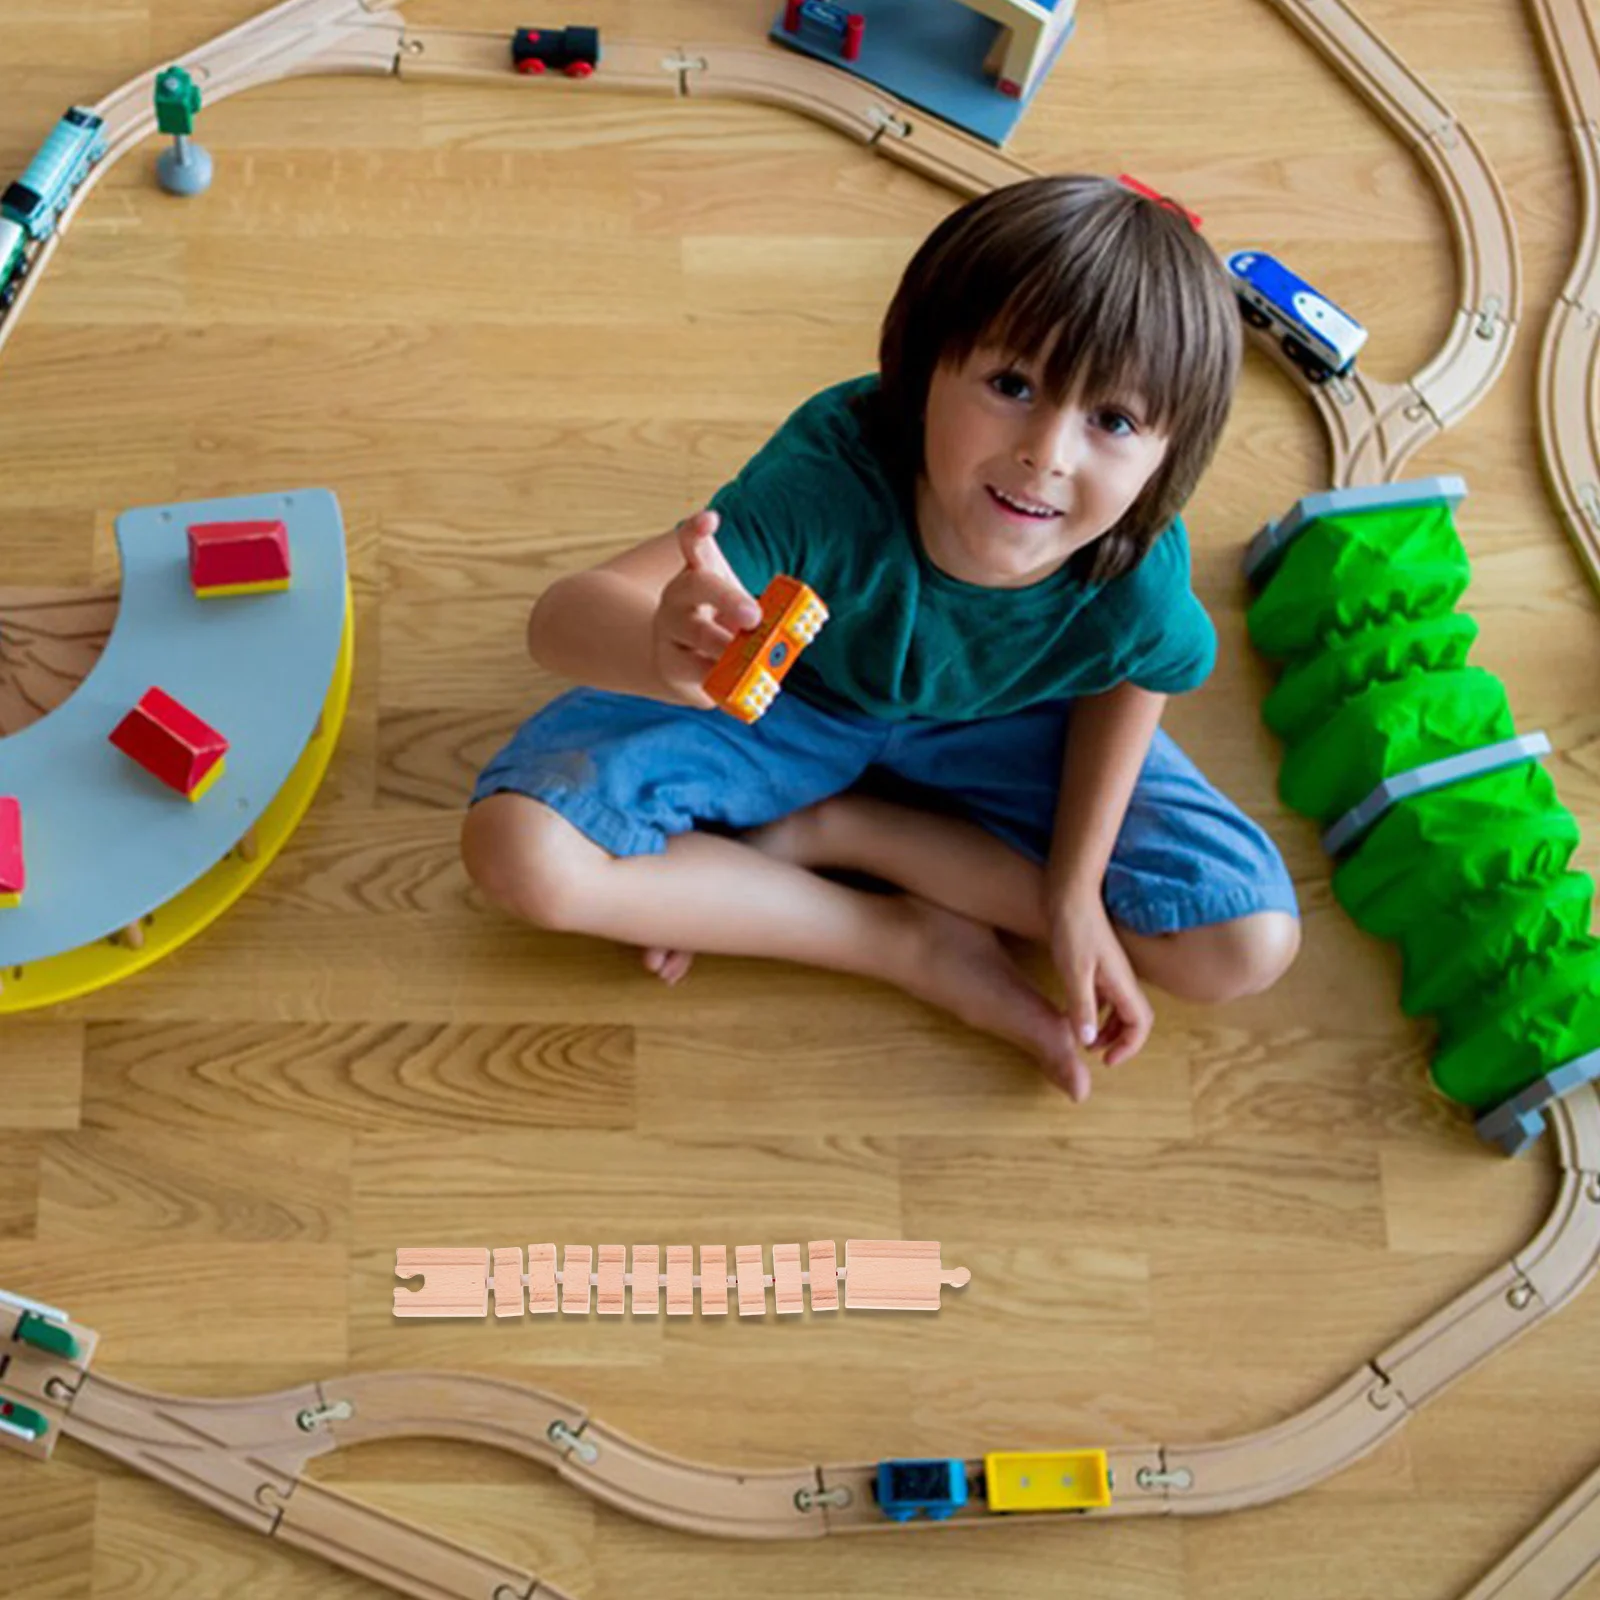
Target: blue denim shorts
x=630 y=772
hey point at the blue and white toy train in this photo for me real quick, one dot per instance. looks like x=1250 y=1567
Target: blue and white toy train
x=39 y=197
x=1316 y=335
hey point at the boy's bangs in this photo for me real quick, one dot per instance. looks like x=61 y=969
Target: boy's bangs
x=1116 y=340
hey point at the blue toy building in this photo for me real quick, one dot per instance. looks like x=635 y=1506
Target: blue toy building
x=973 y=63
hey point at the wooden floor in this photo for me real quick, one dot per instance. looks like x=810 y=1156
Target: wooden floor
x=517 y=332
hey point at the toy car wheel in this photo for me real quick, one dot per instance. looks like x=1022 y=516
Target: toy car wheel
x=533 y=66
x=1254 y=315
x=579 y=69
x=1316 y=370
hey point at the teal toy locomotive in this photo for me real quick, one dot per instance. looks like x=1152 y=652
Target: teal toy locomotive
x=38 y=199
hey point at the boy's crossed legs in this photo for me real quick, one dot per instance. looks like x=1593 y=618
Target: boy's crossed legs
x=963 y=867
x=634 y=773
x=722 y=896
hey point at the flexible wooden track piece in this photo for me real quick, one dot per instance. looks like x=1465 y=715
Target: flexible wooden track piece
x=245 y=1457
x=878 y=1275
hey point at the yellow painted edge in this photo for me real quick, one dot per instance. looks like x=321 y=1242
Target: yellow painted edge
x=210 y=778
x=7 y=901
x=222 y=591
x=93 y=966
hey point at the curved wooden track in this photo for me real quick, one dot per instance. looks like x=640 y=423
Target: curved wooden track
x=296 y=38
x=1569 y=355
x=1374 y=427
x=246 y=1457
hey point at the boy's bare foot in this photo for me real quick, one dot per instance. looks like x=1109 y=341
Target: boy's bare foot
x=962 y=967
x=670 y=966
x=792 y=838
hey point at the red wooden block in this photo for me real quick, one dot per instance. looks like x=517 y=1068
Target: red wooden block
x=13 y=877
x=238 y=557
x=172 y=743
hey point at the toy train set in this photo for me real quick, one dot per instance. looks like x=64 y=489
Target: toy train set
x=46 y=1390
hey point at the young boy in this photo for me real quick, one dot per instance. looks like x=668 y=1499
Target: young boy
x=992 y=520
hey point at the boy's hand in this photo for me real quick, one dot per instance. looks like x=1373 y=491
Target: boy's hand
x=1095 y=970
x=700 y=611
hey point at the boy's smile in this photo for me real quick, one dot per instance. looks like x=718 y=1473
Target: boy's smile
x=1013 y=484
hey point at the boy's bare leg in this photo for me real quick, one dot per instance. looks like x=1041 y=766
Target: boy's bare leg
x=946 y=859
x=952 y=862
x=965 y=868
x=720 y=895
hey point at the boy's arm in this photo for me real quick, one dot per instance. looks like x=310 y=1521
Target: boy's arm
x=1108 y=738
x=598 y=626
x=595 y=627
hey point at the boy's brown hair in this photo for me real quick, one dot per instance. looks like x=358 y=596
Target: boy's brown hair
x=1134 y=299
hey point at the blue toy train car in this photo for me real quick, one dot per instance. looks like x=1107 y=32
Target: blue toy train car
x=39 y=197
x=937 y=1489
x=573 y=51
x=1316 y=335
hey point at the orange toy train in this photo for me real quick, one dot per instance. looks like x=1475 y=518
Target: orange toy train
x=745 y=681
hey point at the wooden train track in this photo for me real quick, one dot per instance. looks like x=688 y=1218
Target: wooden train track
x=1568 y=404
x=296 y=38
x=1374 y=427
x=877 y=1275
x=246 y=1457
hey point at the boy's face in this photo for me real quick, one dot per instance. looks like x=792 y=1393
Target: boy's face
x=1012 y=484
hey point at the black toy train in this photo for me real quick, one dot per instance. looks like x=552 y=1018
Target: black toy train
x=574 y=51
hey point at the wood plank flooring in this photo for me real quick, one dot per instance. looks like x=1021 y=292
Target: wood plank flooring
x=517 y=333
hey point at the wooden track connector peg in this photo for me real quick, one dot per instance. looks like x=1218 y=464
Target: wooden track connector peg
x=878 y=1274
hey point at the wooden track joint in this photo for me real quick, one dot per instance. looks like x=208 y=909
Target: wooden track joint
x=683 y=64
x=1166 y=1477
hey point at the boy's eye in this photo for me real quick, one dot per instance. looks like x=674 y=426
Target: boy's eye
x=1117 y=423
x=1013 y=385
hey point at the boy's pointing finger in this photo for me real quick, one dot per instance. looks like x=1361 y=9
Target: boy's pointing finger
x=728 y=600
x=697 y=538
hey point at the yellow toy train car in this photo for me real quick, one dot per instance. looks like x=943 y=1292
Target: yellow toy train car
x=1046 y=1480
x=745 y=681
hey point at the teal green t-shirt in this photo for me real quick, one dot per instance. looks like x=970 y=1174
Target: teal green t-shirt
x=905 y=639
